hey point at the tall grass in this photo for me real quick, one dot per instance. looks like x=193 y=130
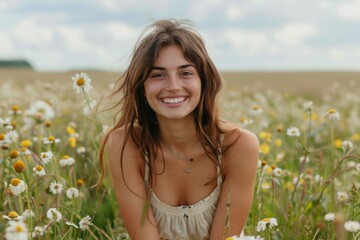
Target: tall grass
x=302 y=179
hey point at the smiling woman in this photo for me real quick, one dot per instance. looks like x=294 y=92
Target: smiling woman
x=170 y=149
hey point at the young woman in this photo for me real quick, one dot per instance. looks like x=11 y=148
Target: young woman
x=178 y=171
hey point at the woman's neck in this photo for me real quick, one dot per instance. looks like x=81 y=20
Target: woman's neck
x=178 y=135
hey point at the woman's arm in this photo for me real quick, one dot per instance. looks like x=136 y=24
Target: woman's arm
x=130 y=194
x=240 y=163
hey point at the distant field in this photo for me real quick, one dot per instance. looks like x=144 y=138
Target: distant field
x=291 y=82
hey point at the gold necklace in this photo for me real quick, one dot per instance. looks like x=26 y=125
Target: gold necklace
x=186 y=170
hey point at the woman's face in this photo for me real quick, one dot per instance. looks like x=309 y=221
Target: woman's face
x=173 y=88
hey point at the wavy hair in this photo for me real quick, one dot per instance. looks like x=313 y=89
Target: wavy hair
x=134 y=112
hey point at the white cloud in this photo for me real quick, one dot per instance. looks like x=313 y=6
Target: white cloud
x=120 y=31
x=293 y=34
x=349 y=10
x=6 y=46
x=234 y=12
x=74 y=39
x=337 y=54
x=28 y=32
x=249 y=41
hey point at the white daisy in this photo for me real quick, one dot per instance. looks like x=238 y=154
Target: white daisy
x=16 y=230
x=81 y=150
x=332 y=115
x=309 y=106
x=346 y=145
x=39 y=231
x=25 y=151
x=293 y=132
x=352 y=226
x=11 y=136
x=330 y=217
x=271 y=222
x=13 y=216
x=342 y=196
x=72 y=192
x=51 y=140
x=40 y=111
x=81 y=82
x=304 y=158
x=277 y=172
x=85 y=223
x=17 y=186
x=39 y=170
x=28 y=213
x=6 y=123
x=66 y=161
x=56 y=187
x=46 y=157
x=256 y=110
x=244 y=122
x=54 y=215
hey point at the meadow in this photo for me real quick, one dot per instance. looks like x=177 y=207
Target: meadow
x=308 y=125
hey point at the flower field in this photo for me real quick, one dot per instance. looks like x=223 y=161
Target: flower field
x=308 y=172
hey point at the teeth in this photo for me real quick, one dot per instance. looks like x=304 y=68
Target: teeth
x=173 y=100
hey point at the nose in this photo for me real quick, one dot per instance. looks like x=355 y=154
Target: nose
x=173 y=83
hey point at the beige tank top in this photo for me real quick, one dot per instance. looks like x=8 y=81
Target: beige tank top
x=190 y=222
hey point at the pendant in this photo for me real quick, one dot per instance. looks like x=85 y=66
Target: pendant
x=188 y=170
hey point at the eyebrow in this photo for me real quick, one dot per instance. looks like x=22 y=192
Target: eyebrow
x=180 y=67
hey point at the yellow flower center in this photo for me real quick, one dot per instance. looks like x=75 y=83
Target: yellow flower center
x=51 y=138
x=26 y=143
x=43 y=155
x=266 y=220
x=256 y=108
x=79 y=182
x=332 y=111
x=80 y=82
x=15 y=108
x=14 y=153
x=47 y=123
x=23 y=149
x=39 y=168
x=19 y=228
x=13 y=214
x=242 y=119
x=15 y=182
x=19 y=166
x=66 y=157
x=2 y=136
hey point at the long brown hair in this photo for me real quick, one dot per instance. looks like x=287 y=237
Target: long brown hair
x=135 y=112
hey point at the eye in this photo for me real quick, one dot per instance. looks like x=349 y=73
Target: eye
x=186 y=73
x=157 y=75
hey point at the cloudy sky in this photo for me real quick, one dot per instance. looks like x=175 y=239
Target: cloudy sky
x=240 y=35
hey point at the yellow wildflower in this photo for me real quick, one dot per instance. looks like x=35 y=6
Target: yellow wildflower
x=278 y=142
x=264 y=148
x=266 y=136
x=72 y=142
x=26 y=143
x=338 y=143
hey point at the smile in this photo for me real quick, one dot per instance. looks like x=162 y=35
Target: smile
x=173 y=100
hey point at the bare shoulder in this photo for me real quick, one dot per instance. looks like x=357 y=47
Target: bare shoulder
x=240 y=139
x=243 y=147
x=120 y=146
